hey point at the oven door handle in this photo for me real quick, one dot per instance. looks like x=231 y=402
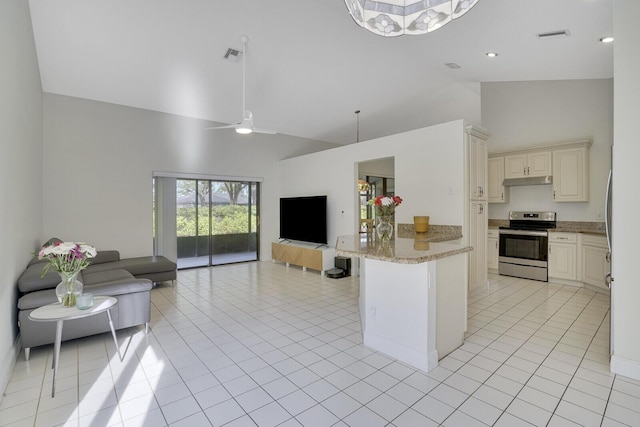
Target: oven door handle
x=524 y=233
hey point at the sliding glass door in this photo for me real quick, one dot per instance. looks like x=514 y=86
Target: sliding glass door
x=216 y=222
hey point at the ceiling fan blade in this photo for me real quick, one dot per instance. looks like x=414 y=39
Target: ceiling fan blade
x=222 y=127
x=267 y=131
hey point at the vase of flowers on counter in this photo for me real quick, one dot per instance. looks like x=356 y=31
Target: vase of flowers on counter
x=68 y=259
x=385 y=207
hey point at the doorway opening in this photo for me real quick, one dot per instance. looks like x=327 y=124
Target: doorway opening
x=375 y=178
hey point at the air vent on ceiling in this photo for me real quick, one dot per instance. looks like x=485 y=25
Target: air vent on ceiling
x=233 y=55
x=453 y=65
x=552 y=34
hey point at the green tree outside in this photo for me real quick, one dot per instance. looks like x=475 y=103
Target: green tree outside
x=226 y=219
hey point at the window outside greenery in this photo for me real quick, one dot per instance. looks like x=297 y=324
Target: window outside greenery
x=230 y=219
x=229 y=214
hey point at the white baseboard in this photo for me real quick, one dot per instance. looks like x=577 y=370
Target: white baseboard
x=625 y=367
x=9 y=362
x=425 y=362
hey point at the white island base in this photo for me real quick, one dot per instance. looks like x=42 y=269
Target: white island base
x=414 y=312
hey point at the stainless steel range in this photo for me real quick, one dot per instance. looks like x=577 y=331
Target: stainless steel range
x=524 y=245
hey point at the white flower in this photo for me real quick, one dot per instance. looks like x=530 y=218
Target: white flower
x=386 y=201
x=64 y=248
x=87 y=250
x=67 y=257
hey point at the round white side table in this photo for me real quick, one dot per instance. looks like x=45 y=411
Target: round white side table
x=57 y=313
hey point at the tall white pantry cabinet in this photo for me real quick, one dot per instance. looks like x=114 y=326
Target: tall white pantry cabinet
x=478 y=216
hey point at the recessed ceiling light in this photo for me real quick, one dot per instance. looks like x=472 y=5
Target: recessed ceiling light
x=491 y=54
x=608 y=39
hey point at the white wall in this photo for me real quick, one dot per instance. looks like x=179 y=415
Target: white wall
x=429 y=176
x=379 y=167
x=99 y=159
x=20 y=166
x=525 y=114
x=625 y=295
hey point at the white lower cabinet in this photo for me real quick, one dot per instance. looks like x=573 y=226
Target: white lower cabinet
x=478 y=223
x=579 y=259
x=595 y=260
x=563 y=256
x=493 y=253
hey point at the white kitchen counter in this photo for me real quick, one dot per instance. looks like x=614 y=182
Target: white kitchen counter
x=413 y=296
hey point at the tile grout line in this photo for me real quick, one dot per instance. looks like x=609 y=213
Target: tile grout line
x=541 y=326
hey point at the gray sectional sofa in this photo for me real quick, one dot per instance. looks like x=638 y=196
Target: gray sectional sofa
x=129 y=280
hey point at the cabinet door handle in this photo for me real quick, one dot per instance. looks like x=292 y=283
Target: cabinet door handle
x=608 y=257
x=528 y=171
x=562 y=238
x=502 y=196
x=554 y=194
x=549 y=249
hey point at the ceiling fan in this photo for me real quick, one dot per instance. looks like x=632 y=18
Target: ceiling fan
x=246 y=125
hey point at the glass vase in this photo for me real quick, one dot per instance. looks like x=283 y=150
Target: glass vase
x=68 y=289
x=384 y=229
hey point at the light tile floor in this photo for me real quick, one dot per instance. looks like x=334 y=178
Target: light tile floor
x=262 y=344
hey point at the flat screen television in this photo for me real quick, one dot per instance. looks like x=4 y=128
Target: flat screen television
x=304 y=219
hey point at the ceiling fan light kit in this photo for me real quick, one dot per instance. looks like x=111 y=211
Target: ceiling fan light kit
x=393 y=18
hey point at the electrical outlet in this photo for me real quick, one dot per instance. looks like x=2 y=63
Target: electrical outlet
x=599 y=215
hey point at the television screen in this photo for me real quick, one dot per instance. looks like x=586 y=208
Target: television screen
x=304 y=219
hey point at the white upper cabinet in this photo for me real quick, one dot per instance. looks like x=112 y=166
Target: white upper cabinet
x=525 y=165
x=567 y=163
x=495 y=176
x=477 y=168
x=571 y=175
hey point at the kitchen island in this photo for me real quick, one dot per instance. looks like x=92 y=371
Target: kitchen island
x=413 y=296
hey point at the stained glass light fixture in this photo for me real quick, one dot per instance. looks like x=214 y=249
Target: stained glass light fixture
x=392 y=18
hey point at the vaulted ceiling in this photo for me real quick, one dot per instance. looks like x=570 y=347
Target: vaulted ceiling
x=309 y=66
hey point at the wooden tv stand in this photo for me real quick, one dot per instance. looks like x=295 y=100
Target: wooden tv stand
x=305 y=255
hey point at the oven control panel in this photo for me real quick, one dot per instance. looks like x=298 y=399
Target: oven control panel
x=533 y=216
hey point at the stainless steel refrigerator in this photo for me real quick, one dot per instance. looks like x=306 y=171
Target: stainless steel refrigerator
x=607 y=220
x=608 y=278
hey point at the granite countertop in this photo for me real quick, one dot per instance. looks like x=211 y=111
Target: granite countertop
x=573 y=230
x=400 y=250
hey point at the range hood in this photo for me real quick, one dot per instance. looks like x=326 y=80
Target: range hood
x=529 y=180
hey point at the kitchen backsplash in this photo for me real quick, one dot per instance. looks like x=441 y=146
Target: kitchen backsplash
x=569 y=226
x=406 y=230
